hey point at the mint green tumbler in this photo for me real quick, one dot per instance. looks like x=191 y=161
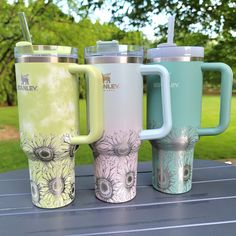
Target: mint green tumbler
x=173 y=155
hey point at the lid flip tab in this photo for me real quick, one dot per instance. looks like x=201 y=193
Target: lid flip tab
x=107 y=46
x=113 y=52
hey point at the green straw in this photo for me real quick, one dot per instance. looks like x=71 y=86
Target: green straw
x=24 y=27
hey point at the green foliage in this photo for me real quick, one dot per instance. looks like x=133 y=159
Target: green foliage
x=213 y=16
x=206 y=23
x=8 y=34
x=49 y=26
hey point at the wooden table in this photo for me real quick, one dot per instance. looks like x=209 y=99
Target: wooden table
x=208 y=209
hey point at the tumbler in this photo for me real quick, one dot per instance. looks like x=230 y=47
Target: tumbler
x=173 y=155
x=48 y=102
x=116 y=153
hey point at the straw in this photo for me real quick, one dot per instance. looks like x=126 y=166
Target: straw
x=171 y=26
x=24 y=27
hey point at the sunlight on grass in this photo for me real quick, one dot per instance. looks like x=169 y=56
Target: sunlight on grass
x=9 y=116
x=221 y=146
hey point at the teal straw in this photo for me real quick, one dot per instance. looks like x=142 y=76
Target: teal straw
x=24 y=27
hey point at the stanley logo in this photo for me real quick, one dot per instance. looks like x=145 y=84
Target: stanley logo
x=106 y=78
x=25 y=86
x=25 y=79
x=107 y=83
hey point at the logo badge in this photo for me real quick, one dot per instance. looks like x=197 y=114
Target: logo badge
x=25 y=79
x=107 y=83
x=25 y=85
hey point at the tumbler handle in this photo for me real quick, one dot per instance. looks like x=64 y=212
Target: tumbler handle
x=225 y=97
x=166 y=102
x=95 y=103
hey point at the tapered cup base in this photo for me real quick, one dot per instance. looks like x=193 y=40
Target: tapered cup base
x=115 y=178
x=52 y=184
x=173 y=161
x=115 y=166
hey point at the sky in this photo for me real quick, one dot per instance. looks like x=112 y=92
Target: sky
x=104 y=16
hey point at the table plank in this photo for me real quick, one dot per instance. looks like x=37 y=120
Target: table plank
x=85 y=199
x=210 y=206
x=88 y=169
x=108 y=220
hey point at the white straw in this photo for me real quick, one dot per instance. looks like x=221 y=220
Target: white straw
x=171 y=26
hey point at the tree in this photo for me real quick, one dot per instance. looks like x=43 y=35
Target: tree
x=213 y=15
x=49 y=26
x=208 y=23
x=10 y=33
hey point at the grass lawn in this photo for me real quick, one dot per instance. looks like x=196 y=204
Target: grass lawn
x=217 y=147
x=221 y=146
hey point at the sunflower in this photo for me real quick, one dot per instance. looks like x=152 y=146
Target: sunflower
x=68 y=149
x=42 y=148
x=185 y=165
x=35 y=192
x=105 y=178
x=35 y=176
x=52 y=187
x=119 y=143
x=126 y=178
x=164 y=174
x=163 y=179
x=173 y=173
x=48 y=149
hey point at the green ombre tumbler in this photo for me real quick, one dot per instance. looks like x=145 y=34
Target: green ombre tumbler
x=173 y=155
x=48 y=106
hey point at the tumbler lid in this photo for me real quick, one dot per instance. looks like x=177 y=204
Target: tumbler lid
x=175 y=53
x=113 y=52
x=170 y=52
x=26 y=52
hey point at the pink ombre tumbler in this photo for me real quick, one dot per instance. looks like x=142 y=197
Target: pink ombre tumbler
x=116 y=153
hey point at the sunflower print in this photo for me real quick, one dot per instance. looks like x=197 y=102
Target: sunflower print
x=164 y=174
x=40 y=148
x=68 y=149
x=48 y=148
x=120 y=143
x=164 y=179
x=185 y=175
x=127 y=178
x=35 y=192
x=35 y=178
x=54 y=187
x=173 y=161
x=106 y=178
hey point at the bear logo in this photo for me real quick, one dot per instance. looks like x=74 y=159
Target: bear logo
x=106 y=78
x=25 y=79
